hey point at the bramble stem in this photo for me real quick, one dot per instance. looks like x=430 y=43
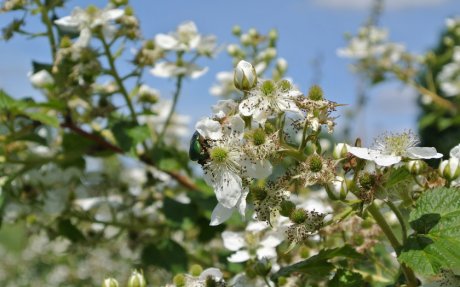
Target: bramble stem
x=173 y=109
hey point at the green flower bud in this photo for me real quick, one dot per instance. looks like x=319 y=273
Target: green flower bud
x=450 y=169
x=110 y=282
x=253 y=32
x=136 y=279
x=273 y=35
x=195 y=270
x=263 y=267
x=179 y=280
x=315 y=93
x=298 y=216
x=340 y=151
x=286 y=208
x=304 y=252
x=415 y=166
x=282 y=281
x=236 y=30
x=118 y=3
x=245 y=76
x=129 y=11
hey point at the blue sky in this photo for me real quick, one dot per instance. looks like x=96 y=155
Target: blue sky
x=308 y=29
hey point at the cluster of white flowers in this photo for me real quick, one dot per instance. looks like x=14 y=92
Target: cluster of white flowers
x=185 y=39
x=449 y=77
x=371 y=47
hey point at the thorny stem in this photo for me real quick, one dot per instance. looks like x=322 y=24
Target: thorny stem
x=375 y=212
x=173 y=109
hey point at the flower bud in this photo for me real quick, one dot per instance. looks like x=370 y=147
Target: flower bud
x=245 y=76
x=340 y=151
x=450 y=169
x=273 y=35
x=195 y=270
x=298 y=215
x=415 y=166
x=281 y=65
x=136 y=280
x=236 y=30
x=315 y=93
x=340 y=187
x=179 y=280
x=110 y=282
x=41 y=79
x=286 y=208
x=263 y=267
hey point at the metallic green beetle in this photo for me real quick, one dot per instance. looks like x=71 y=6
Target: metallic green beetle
x=198 y=148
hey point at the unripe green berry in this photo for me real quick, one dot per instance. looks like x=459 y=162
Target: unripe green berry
x=315 y=93
x=258 y=193
x=298 y=216
x=315 y=163
x=259 y=137
x=286 y=208
x=179 y=280
x=195 y=270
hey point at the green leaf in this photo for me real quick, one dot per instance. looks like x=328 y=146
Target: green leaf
x=395 y=176
x=167 y=254
x=318 y=265
x=45 y=119
x=435 y=245
x=128 y=134
x=346 y=278
x=67 y=229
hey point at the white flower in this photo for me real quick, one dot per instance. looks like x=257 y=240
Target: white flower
x=256 y=239
x=185 y=38
x=269 y=99
x=84 y=21
x=449 y=77
x=223 y=108
x=170 y=69
x=392 y=148
x=200 y=281
x=225 y=86
x=41 y=79
x=455 y=152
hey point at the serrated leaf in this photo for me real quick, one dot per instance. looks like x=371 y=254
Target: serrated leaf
x=436 y=243
x=346 y=278
x=318 y=265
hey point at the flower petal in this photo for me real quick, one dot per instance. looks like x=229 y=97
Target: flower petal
x=266 y=252
x=209 y=128
x=360 y=152
x=213 y=272
x=258 y=169
x=227 y=187
x=233 y=241
x=423 y=152
x=220 y=214
x=239 y=256
x=386 y=160
x=455 y=151
x=166 y=42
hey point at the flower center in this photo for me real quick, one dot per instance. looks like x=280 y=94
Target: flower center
x=268 y=87
x=315 y=163
x=219 y=154
x=259 y=137
x=396 y=144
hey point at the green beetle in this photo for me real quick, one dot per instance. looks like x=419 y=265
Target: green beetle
x=198 y=149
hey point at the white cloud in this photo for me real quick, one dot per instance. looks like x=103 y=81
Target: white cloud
x=366 y=4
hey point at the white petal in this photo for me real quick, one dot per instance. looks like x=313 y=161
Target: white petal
x=423 y=152
x=386 y=160
x=68 y=24
x=233 y=241
x=227 y=187
x=258 y=169
x=213 y=272
x=166 y=42
x=266 y=252
x=84 y=39
x=248 y=105
x=360 y=152
x=195 y=72
x=242 y=203
x=455 y=152
x=112 y=14
x=209 y=128
x=237 y=124
x=239 y=256
x=272 y=240
x=256 y=226
x=164 y=70
x=220 y=214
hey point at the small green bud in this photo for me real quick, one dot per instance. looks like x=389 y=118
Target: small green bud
x=281 y=65
x=179 y=280
x=195 y=270
x=450 y=169
x=253 y=32
x=149 y=45
x=136 y=279
x=268 y=87
x=340 y=187
x=219 y=154
x=129 y=11
x=415 y=166
x=258 y=192
x=245 y=76
x=273 y=35
x=282 y=281
x=340 y=151
x=259 y=137
x=92 y=9
x=304 y=251
x=284 y=85
x=367 y=181
x=263 y=267
x=118 y=3
x=110 y=282
x=286 y=208
x=315 y=163
x=236 y=30
x=298 y=216
x=65 y=42
x=315 y=93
